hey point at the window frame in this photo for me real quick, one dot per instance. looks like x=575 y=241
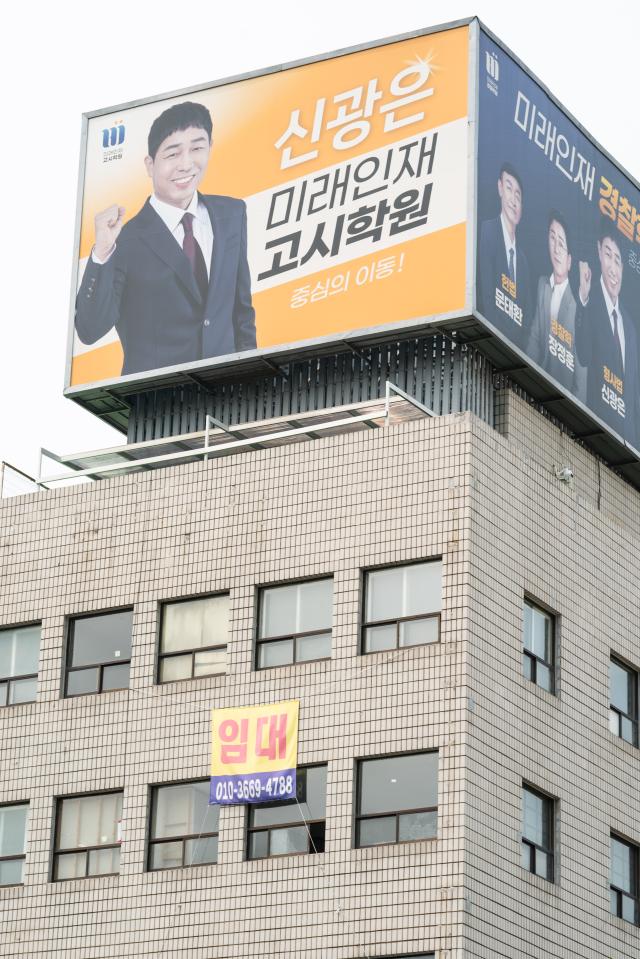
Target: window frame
x=634 y=896
x=160 y=656
x=20 y=857
x=549 y=813
x=67 y=668
x=6 y=681
x=56 y=851
x=365 y=624
x=532 y=657
x=634 y=675
x=151 y=842
x=358 y=817
x=300 y=821
x=294 y=637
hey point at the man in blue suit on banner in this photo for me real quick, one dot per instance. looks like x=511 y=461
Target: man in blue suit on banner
x=174 y=280
x=504 y=280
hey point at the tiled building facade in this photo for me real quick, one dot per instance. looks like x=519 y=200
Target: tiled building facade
x=512 y=536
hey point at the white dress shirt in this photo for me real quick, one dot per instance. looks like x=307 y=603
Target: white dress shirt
x=557 y=292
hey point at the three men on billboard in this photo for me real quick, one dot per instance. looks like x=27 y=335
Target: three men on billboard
x=607 y=341
x=174 y=280
x=504 y=280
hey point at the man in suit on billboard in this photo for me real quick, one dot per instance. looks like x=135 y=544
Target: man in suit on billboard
x=174 y=280
x=607 y=341
x=504 y=280
x=553 y=332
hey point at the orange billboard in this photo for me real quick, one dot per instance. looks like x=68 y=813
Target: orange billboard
x=289 y=208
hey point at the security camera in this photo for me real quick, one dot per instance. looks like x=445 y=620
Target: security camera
x=565 y=474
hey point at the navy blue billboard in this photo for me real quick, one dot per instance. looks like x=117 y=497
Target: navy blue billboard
x=558 y=245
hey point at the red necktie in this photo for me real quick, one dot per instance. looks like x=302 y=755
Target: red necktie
x=194 y=255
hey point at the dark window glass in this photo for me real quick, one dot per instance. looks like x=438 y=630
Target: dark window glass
x=624 y=880
x=184 y=827
x=88 y=836
x=99 y=653
x=295 y=623
x=397 y=799
x=293 y=826
x=537 y=833
x=13 y=838
x=194 y=638
x=19 y=652
x=623 y=693
x=538 y=658
x=402 y=606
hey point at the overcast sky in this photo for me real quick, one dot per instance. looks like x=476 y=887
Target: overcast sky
x=61 y=59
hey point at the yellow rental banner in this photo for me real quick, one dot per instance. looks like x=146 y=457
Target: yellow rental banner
x=302 y=205
x=254 y=752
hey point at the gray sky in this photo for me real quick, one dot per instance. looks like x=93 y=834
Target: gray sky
x=62 y=59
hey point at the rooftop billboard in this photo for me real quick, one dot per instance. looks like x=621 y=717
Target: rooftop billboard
x=294 y=207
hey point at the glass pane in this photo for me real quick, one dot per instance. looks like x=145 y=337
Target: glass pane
x=278 y=608
x=614 y=722
x=279 y=653
x=90 y=820
x=284 y=841
x=374 y=831
x=404 y=591
x=419 y=631
x=71 y=866
x=115 y=677
x=198 y=851
x=13 y=825
x=533 y=817
x=614 y=901
x=82 y=681
x=313 y=647
x=542 y=864
x=19 y=651
x=621 y=865
x=101 y=639
x=418 y=825
x=399 y=782
x=620 y=686
x=627 y=730
x=377 y=638
x=258 y=845
x=541 y=634
x=276 y=814
x=166 y=855
x=628 y=909
x=22 y=691
x=315 y=602
x=527 y=627
x=11 y=872
x=4 y=692
x=526 y=857
x=195 y=623
x=527 y=667
x=103 y=862
x=210 y=663
x=544 y=676
x=175 y=667
x=314 y=806
x=183 y=810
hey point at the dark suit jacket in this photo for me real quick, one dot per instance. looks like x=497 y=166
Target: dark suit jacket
x=541 y=331
x=146 y=290
x=597 y=350
x=492 y=265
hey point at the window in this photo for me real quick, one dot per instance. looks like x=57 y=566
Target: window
x=623 y=693
x=397 y=799
x=194 y=638
x=99 y=651
x=88 y=836
x=19 y=651
x=624 y=880
x=295 y=623
x=184 y=828
x=293 y=826
x=13 y=831
x=402 y=606
x=537 y=833
x=538 y=641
